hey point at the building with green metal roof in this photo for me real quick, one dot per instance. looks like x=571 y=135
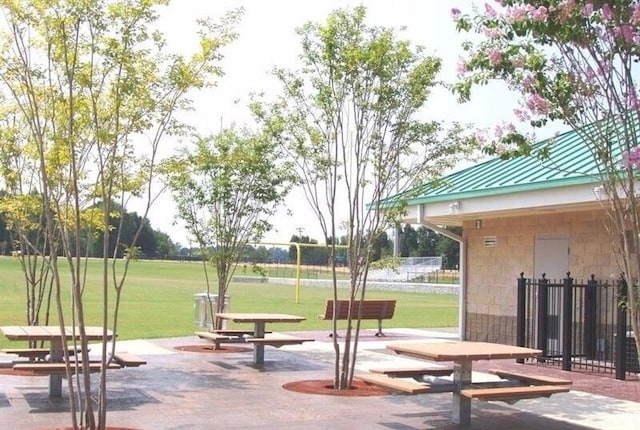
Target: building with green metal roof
x=563 y=180
x=529 y=215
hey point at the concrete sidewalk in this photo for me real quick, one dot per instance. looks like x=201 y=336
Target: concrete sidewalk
x=188 y=390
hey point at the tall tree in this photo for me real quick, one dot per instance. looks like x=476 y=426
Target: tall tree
x=409 y=241
x=349 y=117
x=88 y=92
x=427 y=239
x=576 y=62
x=382 y=247
x=226 y=188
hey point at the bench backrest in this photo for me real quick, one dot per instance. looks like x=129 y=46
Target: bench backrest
x=371 y=309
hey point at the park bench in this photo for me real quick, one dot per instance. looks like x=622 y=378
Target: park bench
x=406 y=386
x=369 y=309
x=278 y=339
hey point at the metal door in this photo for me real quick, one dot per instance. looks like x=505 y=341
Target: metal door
x=551 y=257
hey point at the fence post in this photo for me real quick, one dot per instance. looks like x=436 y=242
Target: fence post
x=541 y=317
x=621 y=331
x=567 y=321
x=590 y=315
x=521 y=315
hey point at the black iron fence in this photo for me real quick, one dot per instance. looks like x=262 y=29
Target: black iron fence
x=579 y=326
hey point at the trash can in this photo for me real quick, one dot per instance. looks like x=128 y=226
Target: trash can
x=202 y=305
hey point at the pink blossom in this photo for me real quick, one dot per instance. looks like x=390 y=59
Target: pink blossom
x=631 y=158
x=607 y=12
x=480 y=137
x=625 y=32
x=566 y=10
x=538 y=105
x=539 y=14
x=495 y=57
x=490 y=11
x=635 y=16
x=633 y=100
x=518 y=62
x=517 y=14
x=528 y=81
x=522 y=115
x=455 y=12
x=461 y=67
x=509 y=128
x=569 y=6
x=492 y=33
x=587 y=10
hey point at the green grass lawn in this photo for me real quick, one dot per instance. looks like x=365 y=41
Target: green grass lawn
x=158 y=301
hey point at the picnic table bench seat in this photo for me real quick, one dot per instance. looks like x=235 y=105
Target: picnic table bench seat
x=39 y=353
x=413 y=372
x=407 y=386
x=46 y=368
x=234 y=332
x=278 y=339
x=513 y=394
x=530 y=379
x=126 y=359
x=369 y=309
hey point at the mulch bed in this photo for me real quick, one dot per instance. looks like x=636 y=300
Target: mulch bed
x=210 y=349
x=325 y=387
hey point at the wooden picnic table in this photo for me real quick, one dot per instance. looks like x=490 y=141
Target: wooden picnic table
x=259 y=321
x=57 y=341
x=462 y=354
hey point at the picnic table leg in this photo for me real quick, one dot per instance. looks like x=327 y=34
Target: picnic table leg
x=461 y=413
x=56 y=355
x=258 y=348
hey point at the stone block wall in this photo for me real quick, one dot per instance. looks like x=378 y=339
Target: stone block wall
x=492 y=271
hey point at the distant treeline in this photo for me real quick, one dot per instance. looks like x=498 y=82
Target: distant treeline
x=155 y=244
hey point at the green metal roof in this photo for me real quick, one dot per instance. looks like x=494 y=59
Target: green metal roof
x=569 y=162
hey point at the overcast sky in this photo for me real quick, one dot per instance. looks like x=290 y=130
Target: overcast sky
x=267 y=38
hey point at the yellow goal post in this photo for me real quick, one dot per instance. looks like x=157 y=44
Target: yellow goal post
x=299 y=258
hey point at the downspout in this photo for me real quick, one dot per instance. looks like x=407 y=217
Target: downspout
x=463 y=278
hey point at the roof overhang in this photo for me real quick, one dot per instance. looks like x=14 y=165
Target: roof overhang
x=554 y=200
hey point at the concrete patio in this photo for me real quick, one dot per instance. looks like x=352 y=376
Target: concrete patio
x=190 y=390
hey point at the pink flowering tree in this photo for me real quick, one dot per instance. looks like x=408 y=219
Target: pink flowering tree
x=575 y=62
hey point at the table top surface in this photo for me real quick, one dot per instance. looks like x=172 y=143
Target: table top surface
x=456 y=351
x=51 y=332
x=259 y=317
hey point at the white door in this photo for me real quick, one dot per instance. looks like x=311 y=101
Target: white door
x=551 y=257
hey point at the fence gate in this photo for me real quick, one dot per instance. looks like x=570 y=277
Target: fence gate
x=576 y=325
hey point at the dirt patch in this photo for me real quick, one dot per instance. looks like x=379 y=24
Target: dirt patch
x=325 y=387
x=210 y=349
